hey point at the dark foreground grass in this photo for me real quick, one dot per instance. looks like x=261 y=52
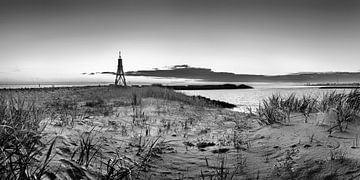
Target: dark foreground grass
x=277 y=108
x=20 y=143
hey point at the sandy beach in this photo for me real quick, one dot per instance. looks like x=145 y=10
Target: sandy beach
x=155 y=133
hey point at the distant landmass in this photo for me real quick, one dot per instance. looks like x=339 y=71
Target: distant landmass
x=206 y=74
x=185 y=71
x=205 y=87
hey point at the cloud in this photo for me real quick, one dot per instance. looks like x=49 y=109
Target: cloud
x=188 y=72
x=94 y=73
x=180 y=66
x=111 y=73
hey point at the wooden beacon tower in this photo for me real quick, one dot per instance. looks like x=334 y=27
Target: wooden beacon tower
x=120 y=75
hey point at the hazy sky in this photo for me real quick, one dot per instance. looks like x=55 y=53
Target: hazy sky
x=60 y=39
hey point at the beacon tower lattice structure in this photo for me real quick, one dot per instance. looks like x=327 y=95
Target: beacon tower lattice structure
x=120 y=75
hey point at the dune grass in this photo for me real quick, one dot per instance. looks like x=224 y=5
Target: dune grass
x=21 y=146
x=25 y=155
x=277 y=108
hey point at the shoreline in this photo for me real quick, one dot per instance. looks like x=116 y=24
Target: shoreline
x=335 y=85
x=339 y=87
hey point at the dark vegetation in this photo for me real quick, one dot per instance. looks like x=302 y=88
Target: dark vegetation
x=277 y=108
x=21 y=147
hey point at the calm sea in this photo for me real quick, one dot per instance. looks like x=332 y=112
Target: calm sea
x=245 y=98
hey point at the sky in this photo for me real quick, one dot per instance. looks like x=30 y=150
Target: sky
x=57 y=40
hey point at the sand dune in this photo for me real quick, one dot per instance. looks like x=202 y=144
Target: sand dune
x=116 y=134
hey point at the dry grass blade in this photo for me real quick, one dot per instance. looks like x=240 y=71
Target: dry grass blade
x=20 y=145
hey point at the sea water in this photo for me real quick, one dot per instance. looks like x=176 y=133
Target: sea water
x=251 y=98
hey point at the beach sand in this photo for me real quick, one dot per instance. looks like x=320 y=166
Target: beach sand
x=158 y=138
